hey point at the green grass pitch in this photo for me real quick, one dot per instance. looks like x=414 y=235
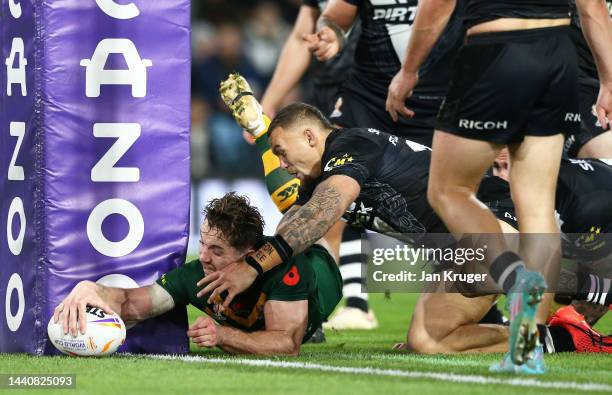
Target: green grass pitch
x=351 y=362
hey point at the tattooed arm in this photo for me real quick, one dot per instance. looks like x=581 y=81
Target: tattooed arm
x=302 y=227
x=133 y=305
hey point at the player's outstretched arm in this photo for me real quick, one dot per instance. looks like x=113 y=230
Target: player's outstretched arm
x=336 y=19
x=597 y=29
x=431 y=19
x=285 y=327
x=293 y=61
x=132 y=305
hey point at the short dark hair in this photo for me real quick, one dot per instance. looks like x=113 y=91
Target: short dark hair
x=298 y=112
x=239 y=223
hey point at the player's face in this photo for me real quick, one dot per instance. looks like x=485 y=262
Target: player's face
x=215 y=252
x=297 y=151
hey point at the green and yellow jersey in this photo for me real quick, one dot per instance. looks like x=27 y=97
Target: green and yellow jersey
x=312 y=275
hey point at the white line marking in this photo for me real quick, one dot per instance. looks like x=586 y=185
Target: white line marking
x=453 y=377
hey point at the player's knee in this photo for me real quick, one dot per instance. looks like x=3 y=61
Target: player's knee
x=434 y=191
x=441 y=196
x=420 y=342
x=423 y=346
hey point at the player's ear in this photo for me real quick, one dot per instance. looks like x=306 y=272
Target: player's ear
x=311 y=137
x=247 y=252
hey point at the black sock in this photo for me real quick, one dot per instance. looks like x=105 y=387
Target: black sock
x=357 y=303
x=594 y=289
x=503 y=269
x=555 y=339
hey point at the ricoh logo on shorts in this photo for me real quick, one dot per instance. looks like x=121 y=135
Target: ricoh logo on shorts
x=482 y=125
x=572 y=117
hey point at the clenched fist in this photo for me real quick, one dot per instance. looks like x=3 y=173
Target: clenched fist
x=204 y=332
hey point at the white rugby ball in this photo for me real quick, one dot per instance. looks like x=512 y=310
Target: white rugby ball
x=104 y=334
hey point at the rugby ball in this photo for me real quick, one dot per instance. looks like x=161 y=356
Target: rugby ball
x=104 y=334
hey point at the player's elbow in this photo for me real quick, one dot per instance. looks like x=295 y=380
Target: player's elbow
x=291 y=348
x=292 y=352
x=129 y=313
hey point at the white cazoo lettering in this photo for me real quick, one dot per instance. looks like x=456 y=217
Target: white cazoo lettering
x=105 y=170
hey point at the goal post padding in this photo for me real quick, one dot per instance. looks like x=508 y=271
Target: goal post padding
x=94 y=148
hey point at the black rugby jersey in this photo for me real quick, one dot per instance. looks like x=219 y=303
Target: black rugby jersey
x=386 y=27
x=479 y=11
x=583 y=198
x=495 y=193
x=586 y=63
x=584 y=195
x=335 y=70
x=393 y=174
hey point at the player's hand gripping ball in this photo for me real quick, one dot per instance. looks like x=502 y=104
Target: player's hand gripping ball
x=104 y=334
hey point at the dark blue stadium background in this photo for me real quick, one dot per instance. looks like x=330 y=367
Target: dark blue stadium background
x=237 y=35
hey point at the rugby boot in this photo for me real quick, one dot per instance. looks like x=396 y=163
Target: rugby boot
x=522 y=302
x=585 y=338
x=246 y=110
x=317 y=337
x=534 y=363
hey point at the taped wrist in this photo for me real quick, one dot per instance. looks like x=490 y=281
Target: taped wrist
x=270 y=255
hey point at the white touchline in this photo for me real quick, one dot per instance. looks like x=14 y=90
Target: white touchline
x=454 y=377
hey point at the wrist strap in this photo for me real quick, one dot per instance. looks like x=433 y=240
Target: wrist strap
x=282 y=247
x=254 y=264
x=270 y=255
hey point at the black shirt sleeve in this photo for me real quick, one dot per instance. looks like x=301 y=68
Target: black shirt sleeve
x=311 y=3
x=351 y=152
x=354 y=2
x=354 y=153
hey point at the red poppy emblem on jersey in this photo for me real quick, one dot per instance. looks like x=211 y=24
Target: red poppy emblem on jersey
x=292 y=277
